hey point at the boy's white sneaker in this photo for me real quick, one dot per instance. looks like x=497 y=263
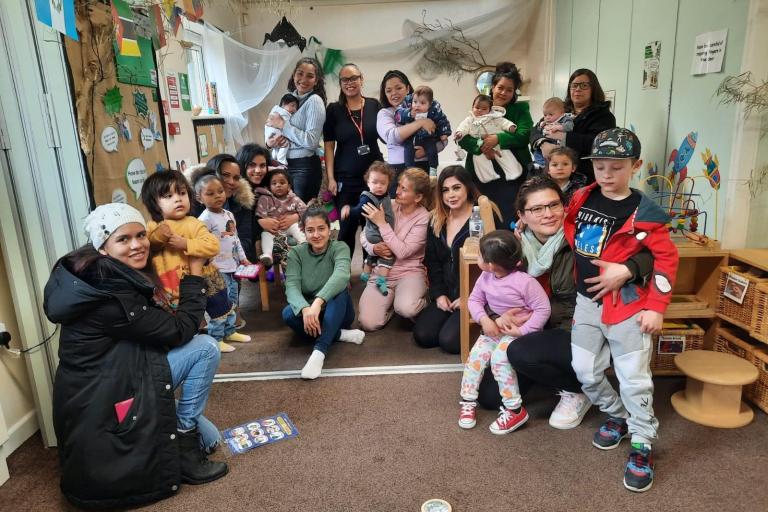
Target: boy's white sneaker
x=570 y=410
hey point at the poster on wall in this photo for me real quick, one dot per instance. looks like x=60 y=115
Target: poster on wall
x=173 y=91
x=708 y=52
x=186 y=104
x=651 y=65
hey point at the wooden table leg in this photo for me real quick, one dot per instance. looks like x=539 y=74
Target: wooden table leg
x=263 y=290
x=464 y=313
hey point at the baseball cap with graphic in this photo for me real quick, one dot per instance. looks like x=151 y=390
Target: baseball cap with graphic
x=615 y=144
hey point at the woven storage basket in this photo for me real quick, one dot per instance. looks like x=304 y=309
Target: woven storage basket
x=760 y=313
x=741 y=313
x=758 y=392
x=677 y=341
x=727 y=341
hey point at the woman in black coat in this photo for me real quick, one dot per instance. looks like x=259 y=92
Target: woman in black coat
x=122 y=439
x=586 y=100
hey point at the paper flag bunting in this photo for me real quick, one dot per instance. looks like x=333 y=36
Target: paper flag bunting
x=59 y=15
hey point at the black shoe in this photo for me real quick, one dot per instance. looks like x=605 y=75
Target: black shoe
x=195 y=466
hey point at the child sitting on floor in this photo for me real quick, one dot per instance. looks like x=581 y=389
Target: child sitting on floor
x=503 y=285
x=175 y=236
x=419 y=105
x=484 y=118
x=275 y=203
x=378 y=177
x=221 y=223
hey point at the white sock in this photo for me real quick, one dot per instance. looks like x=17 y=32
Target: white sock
x=314 y=365
x=355 y=336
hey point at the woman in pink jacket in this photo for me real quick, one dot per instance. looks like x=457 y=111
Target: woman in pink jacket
x=405 y=243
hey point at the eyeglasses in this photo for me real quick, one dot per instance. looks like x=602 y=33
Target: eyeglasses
x=349 y=79
x=538 y=211
x=580 y=85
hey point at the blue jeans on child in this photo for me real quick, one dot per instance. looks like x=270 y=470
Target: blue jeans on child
x=193 y=366
x=339 y=313
x=232 y=288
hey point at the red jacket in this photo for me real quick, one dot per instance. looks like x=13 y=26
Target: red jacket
x=647 y=226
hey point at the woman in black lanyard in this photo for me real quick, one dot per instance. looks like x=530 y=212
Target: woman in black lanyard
x=350 y=145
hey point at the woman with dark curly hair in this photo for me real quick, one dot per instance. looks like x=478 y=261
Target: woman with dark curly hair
x=302 y=132
x=506 y=81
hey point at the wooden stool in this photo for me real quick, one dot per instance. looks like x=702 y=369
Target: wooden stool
x=712 y=394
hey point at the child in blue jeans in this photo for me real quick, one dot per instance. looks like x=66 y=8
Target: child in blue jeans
x=610 y=221
x=221 y=223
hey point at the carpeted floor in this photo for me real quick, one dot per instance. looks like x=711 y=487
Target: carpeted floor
x=387 y=443
x=274 y=347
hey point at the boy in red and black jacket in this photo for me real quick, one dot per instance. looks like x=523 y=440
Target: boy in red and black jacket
x=610 y=221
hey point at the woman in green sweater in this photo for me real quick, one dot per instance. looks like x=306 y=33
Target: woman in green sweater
x=506 y=81
x=316 y=286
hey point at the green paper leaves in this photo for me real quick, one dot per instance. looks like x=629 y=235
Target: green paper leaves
x=113 y=101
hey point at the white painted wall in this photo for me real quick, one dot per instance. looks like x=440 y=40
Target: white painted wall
x=609 y=36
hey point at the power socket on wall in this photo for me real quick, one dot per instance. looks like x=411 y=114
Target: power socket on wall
x=5 y=339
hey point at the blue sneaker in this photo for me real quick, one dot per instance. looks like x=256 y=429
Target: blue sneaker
x=381 y=285
x=610 y=434
x=638 y=473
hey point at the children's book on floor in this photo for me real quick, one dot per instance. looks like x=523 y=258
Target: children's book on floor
x=257 y=433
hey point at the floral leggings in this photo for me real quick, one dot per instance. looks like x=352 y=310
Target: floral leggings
x=488 y=350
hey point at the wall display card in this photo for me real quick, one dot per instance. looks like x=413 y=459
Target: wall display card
x=173 y=90
x=736 y=287
x=651 y=65
x=202 y=144
x=671 y=344
x=257 y=433
x=137 y=70
x=109 y=139
x=135 y=175
x=708 y=52
x=186 y=103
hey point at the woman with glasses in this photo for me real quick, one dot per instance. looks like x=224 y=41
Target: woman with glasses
x=545 y=357
x=395 y=86
x=351 y=146
x=506 y=82
x=302 y=132
x=592 y=114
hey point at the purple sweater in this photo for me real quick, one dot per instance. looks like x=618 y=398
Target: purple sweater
x=515 y=290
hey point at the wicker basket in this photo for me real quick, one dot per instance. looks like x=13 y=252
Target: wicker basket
x=759 y=325
x=672 y=342
x=741 y=313
x=726 y=340
x=758 y=392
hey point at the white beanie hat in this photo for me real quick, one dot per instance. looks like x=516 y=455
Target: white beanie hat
x=105 y=219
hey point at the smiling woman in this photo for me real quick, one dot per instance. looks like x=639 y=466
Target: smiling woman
x=122 y=439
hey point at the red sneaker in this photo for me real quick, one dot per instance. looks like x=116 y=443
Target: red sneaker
x=508 y=421
x=467 y=414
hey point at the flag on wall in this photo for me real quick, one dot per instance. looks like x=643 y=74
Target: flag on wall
x=58 y=14
x=193 y=9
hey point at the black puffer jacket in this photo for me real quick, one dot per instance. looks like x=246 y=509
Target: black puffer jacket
x=113 y=347
x=593 y=120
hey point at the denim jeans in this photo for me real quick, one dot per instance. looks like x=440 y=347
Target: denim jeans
x=232 y=287
x=339 y=313
x=223 y=326
x=193 y=366
x=349 y=195
x=306 y=175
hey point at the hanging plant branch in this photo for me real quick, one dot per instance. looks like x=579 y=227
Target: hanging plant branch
x=452 y=53
x=740 y=89
x=758 y=181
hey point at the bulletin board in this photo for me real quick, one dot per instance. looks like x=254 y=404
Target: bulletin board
x=120 y=125
x=209 y=138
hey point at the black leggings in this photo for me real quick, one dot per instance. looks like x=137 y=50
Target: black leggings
x=538 y=358
x=435 y=327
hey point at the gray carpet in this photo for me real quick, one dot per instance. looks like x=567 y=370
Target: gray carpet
x=387 y=443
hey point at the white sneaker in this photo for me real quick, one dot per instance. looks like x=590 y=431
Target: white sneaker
x=570 y=410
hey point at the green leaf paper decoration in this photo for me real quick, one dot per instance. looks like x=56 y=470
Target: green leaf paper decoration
x=140 y=101
x=113 y=101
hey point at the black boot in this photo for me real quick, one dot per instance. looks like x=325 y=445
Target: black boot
x=195 y=466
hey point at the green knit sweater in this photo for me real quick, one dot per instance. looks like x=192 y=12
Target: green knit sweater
x=309 y=275
x=520 y=114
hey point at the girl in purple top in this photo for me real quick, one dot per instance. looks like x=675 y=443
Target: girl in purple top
x=503 y=285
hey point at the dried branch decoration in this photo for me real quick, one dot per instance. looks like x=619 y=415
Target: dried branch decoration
x=741 y=89
x=446 y=49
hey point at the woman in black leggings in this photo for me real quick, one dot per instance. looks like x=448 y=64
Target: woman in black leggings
x=545 y=357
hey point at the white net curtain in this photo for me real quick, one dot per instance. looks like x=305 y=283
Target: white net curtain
x=246 y=76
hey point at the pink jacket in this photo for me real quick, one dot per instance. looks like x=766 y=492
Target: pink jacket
x=407 y=241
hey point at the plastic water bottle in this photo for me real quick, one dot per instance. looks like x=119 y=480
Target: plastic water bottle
x=475 y=223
